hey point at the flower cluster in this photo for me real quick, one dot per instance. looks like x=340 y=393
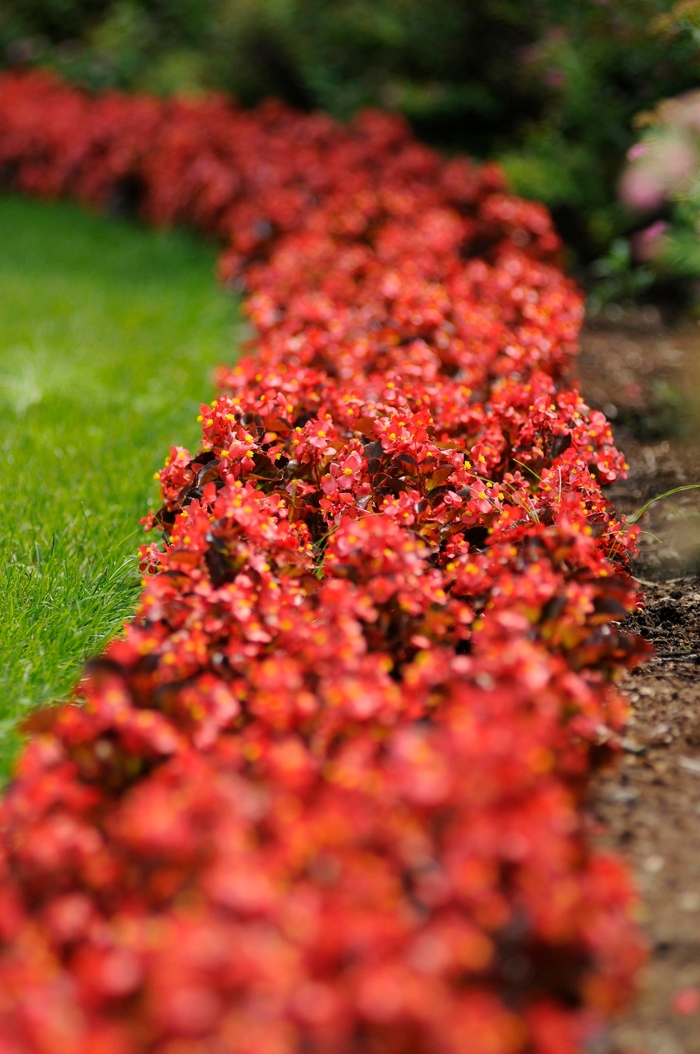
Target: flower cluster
x=325 y=793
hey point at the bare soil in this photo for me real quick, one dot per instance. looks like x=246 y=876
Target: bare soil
x=647 y=808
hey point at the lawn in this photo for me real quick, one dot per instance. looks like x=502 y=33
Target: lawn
x=108 y=335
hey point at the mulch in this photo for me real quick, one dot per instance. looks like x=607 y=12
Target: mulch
x=647 y=806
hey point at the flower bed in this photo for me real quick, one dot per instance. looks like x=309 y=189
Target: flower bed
x=326 y=793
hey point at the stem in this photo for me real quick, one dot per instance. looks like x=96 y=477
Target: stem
x=660 y=497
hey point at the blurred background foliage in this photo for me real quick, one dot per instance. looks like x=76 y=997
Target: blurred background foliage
x=549 y=87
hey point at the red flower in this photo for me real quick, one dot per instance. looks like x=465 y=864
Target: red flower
x=324 y=792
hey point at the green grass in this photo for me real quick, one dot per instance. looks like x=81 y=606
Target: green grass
x=108 y=335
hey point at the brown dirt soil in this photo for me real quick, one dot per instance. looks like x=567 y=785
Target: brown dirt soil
x=647 y=807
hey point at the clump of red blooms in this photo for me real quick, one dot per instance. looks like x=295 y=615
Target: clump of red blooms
x=325 y=795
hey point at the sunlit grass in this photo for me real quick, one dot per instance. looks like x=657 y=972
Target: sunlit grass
x=108 y=335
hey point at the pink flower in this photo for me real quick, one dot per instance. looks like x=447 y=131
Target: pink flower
x=648 y=243
x=642 y=188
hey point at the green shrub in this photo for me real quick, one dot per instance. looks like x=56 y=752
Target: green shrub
x=661 y=182
x=159 y=45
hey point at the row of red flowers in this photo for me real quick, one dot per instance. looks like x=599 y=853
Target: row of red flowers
x=326 y=792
